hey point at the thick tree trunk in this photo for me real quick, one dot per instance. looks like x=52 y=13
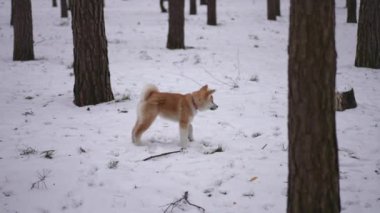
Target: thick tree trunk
x=351 y=11
x=368 y=44
x=64 y=13
x=92 y=76
x=54 y=3
x=193 y=7
x=277 y=7
x=313 y=181
x=211 y=12
x=271 y=9
x=176 y=35
x=203 y=2
x=23 y=30
x=163 y=9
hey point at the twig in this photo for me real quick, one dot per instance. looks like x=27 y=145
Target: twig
x=185 y=200
x=41 y=179
x=264 y=146
x=160 y=155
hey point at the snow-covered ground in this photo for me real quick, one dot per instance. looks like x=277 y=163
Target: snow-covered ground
x=96 y=168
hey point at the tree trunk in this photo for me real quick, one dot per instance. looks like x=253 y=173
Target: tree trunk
x=193 y=7
x=271 y=9
x=12 y=12
x=313 y=181
x=203 y=2
x=23 y=31
x=163 y=9
x=351 y=11
x=54 y=3
x=176 y=35
x=277 y=7
x=64 y=13
x=92 y=76
x=211 y=12
x=368 y=44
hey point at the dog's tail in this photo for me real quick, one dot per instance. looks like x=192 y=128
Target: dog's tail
x=147 y=91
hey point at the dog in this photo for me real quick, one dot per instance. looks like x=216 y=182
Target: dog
x=180 y=108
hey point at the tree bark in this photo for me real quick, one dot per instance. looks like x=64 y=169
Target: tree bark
x=193 y=7
x=163 y=9
x=203 y=2
x=351 y=11
x=313 y=181
x=271 y=10
x=91 y=71
x=23 y=31
x=368 y=44
x=176 y=35
x=277 y=7
x=211 y=12
x=54 y=3
x=64 y=13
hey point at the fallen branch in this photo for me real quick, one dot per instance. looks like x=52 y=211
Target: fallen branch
x=160 y=155
x=185 y=200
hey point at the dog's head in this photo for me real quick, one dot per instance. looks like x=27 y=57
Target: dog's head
x=204 y=100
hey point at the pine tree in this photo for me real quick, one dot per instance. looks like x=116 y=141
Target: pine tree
x=313 y=181
x=23 y=30
x=91 y=71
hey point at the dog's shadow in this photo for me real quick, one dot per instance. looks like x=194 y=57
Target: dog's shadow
x=154 y=145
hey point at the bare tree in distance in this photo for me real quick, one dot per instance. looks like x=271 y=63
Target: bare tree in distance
x=64 y=13
x=193 y=7
x=368 y=43
x=351 y=11
x=23 y=49
x=176 y=35
x=271 y=10
x=162 y=6
x=211 y=12
x=203 y=2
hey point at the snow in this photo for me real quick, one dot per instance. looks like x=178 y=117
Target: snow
x=244 y=58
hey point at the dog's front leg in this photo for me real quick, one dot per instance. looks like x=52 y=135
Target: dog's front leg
x=191 y=137
x=184 y=134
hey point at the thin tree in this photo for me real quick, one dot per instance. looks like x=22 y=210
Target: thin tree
x=193 y=7
x=271 y=10
x=12 y=12
x=23 y=31
x=277 y=7
x=163 y=9
x=211 y=12
x=54 y=3
x=351 y=11
x=64 y=13
x=91 y=71
x=203 y=2
x=368 y=44
x=176 y=35
x=313 y=181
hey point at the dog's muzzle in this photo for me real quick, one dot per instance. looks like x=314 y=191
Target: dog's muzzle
x=214 y=107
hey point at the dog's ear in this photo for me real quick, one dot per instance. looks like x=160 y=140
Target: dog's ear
x=205 y=87
x=210 y=92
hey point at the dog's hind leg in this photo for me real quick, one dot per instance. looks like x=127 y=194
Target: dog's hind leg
x=142 y=124
x=184 y=133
